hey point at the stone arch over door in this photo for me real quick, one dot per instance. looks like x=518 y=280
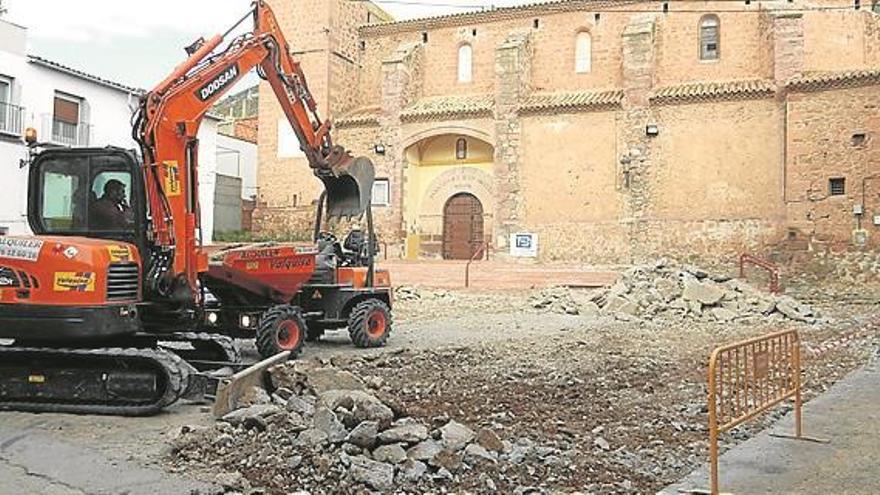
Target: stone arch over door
x=475 y=131
x=439 y=167
x=463 y=227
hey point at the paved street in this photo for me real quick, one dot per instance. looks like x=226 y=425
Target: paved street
x=847 y=415
x=59 y=454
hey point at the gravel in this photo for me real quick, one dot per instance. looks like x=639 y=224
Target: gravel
x=600 y=402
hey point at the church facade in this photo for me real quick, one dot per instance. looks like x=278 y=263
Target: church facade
x=611 y=131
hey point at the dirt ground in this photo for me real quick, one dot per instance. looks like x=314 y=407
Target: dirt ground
x=627 y=396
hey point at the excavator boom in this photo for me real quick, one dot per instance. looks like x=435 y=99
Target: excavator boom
x=166 y=128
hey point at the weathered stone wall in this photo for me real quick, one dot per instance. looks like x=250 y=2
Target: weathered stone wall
x=824 y=143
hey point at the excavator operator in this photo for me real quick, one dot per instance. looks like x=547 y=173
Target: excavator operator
x=111 y=211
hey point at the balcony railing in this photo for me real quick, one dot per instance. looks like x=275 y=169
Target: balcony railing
x=64 y=133
x=70 y=134
x=11 y=119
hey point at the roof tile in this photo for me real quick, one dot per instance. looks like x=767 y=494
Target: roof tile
x=363 y=116
x=817 y=81
x=576 y=100
x=714 y=90
x=449 y=106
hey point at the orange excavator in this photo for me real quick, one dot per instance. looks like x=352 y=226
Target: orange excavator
x=116 y=270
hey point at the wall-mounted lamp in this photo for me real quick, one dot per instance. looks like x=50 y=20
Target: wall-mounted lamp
x=379 y=149
x=651 y=130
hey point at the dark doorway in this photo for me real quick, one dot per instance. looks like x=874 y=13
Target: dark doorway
x=462 y=227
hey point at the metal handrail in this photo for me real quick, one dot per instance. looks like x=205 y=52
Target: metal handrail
x=484 y=249
x=771 y=268
x=11 y=118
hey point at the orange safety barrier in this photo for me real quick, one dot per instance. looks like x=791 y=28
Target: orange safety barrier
x=749 y=377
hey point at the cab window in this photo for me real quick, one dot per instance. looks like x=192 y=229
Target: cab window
x=85 y=194
x=65 y=200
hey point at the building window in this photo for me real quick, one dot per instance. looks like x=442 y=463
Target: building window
x=68 y=126
x=837 y=186
x=5 y=90
x=709 y=44
x=381 y=193
x=461 y=149
x=583 y=53
x=465 y=63
x=5 y=104
x=875 y=7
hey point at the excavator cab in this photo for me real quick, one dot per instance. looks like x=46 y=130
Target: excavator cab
x=95 y=193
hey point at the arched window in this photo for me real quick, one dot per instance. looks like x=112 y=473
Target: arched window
x=583 y=52
x=465 y=63
x=875 y=7
x=709 y=37
x=461 y=149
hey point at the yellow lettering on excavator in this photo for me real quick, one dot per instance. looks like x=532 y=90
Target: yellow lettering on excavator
x=172 y=178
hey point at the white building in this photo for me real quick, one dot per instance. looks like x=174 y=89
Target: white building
x=238 y=158
x=72 y=108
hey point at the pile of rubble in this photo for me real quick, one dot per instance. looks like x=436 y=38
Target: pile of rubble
x=324 y=427
x=410 y=293
x=680 y=291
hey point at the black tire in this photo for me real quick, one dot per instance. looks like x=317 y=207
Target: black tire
x=369 y=323
x=282 y=328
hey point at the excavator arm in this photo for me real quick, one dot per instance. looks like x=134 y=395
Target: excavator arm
x=167 y=124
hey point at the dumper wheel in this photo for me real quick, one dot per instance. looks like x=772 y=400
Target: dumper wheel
x=370 y=323
x=282 y=328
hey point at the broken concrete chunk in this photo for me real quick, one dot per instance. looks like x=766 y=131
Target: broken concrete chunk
x=455 y=436
x=409 y=432
x=239 y=416
x=412 y=471
x=723 y=314
x=424 y=450
x=392 y=454
x=363 y=406
x=311 y=438
x=704 y=293
x=374 y=474
x=323 y=379
x=475 y=453
x=365 y=434
x=327 y=422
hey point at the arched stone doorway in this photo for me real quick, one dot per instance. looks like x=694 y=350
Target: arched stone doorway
x=440 y=167
x=462 y=227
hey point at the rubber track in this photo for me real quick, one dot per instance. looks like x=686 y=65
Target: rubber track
x=176 y=371
x=226 y=345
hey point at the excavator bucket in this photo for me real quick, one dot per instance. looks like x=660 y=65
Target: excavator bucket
x=350 y=192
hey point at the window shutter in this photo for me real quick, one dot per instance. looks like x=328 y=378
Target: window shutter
x=583 y=53
x=66 y=111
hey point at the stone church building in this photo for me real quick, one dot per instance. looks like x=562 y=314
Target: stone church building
x=613 y=130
